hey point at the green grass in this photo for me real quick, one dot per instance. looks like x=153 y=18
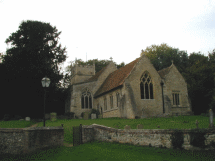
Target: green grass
x=16 y=124
x=151 y=123
x=103 y=151
x=114 y=151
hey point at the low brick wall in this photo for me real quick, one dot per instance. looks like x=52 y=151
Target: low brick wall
x=28 y=140
x=154 y=137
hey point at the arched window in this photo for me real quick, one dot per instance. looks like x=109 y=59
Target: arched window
x=86 y=100
x=146 y=86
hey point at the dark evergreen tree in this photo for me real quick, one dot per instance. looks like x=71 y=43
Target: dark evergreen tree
x=34 y=54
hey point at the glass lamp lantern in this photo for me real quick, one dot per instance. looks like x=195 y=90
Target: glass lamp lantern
x=45 y=82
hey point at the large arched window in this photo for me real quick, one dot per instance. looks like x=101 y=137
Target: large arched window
x=146 y=86
x=86 y=100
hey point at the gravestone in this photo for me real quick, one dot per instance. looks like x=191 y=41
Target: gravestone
x=86 y=116
x=127 y=127
x=47 y=116
x=211 y=118
x=93 y=116
x=139 y=126
x=27 y=119
x=53 y=116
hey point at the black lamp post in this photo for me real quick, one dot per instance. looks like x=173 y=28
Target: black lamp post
x=45 y=83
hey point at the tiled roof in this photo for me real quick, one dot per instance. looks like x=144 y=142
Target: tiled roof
x=164 y=72
x=116 y=78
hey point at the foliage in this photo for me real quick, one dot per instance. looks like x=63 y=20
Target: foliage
x=162 y=55
x=70 y=115
x=197 y=137
x=7 y=117
x=96 y=112
x=34 y=54
x=177 y=139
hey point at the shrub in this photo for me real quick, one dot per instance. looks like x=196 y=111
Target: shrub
x=96 y=112
x=197 y=137
x=7 y=117
x=177 y=139
x=70 y=115
x=17 y=117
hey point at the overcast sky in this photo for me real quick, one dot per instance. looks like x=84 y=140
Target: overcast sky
x=116 y=28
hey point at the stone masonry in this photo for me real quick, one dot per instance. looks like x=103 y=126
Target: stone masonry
x=143 y=137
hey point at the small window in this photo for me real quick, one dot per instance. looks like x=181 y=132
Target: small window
x=105 y=103
x=117 y=99
x=111 y=101
x=175 y=98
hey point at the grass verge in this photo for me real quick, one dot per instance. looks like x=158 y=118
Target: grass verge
x=98 y=151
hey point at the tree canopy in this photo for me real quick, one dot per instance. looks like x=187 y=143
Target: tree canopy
x=197 y=69
x=35 y=52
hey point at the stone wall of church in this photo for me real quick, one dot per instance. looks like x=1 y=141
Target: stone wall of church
x=110 y=111
x=145 y=107
x=175 y=83
x=109 y=69
x=78 y=89
x=81 y=73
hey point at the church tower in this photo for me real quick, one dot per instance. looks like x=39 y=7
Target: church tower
x=80 y=73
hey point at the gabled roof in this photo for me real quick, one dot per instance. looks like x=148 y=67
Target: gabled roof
x=164 y=72
x=116 y=78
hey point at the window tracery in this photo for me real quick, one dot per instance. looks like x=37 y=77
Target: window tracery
x=86 y=100
x=146 y=86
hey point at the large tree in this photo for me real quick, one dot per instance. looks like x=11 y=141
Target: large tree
x=34 y=53
x=162 y=56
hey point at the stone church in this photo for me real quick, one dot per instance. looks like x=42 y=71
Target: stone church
x=136 y=90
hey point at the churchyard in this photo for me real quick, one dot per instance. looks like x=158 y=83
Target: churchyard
x=108 y=151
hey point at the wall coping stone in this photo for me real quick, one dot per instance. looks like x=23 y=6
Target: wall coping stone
x=153 y=131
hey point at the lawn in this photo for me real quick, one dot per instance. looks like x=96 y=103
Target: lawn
x=16 y=124
x=115 y=151
x=179 y=122
x=103 y=151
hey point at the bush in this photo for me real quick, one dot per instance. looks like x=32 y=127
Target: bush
x=197 y=137
x=7 y=117
x=70 y=115
x=17 y=117
x=177 y=139
x=96 y=112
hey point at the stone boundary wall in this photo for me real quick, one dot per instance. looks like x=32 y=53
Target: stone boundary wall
x=28 y=140
x=143 y=137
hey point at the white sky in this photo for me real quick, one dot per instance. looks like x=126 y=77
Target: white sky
x=116 y=28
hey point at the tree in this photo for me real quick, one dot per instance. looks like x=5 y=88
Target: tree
x=34 y=54
x=162 y=55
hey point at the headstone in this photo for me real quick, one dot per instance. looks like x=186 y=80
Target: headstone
x=47 y=116
x=93 y=116
x=53 y=116
x=86 y=116
x=197 y=123
x=139 y=126
x=100 y=116
x=211 y=117
x=27 y=119
x=127 y=127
